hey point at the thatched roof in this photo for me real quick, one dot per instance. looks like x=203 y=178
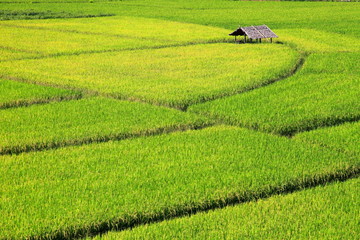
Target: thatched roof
x=255 y=32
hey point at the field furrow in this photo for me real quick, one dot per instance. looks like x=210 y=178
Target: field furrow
x=77 y=191
x=324 y=212
x=17 y=94
x=84 y=121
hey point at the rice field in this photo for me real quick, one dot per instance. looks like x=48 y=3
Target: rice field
x=63 y=37
x=117 y=183
x=143 y=119
x=343 y=138
x=326 y=211
x=87 y=120
x=146 y=75
x=323 y=93
x=15 y=94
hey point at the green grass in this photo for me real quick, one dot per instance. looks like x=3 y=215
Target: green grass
x=14 y=94
x=343 y=138
x=325 y=92
x=73 y=191
x=84 y=121
x=325 y=212
x=73 y=36
x=174 y=77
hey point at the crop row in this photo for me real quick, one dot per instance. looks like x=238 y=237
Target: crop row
x=325 y=212
x=76 y=191
x=175 y=77
x=325 y=92
x=86 y=120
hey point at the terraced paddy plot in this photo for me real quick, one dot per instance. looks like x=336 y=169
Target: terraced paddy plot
x=73 y=191
x=345 y=137
x=13 y=94
x=326 y=212
x=175 y=77
x=86 y=120
x=132 y=28
x=317 y=96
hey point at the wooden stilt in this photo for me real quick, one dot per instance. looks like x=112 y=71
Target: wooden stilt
x=271 y=40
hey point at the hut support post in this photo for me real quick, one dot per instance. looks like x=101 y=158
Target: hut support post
x=271 y=40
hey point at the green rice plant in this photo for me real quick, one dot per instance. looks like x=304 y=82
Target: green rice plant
x=83 y=121
x=325 y=212
x=343 y=138
x=14 y=94
x=76 y=191
x=325 y=92
x=174 y=77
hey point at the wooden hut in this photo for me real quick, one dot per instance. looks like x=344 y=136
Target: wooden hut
x=254 y=32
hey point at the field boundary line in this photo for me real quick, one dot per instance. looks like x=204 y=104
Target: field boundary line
x=328 y=122
x=137 y=219
x=183 y=107
x=54 y=55
x=82 y=32
x=26 y=103
x=38 y=147
x=298 y=65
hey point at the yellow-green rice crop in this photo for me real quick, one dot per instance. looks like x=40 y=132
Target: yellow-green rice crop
x=60 y=36
x=83 y=121
x=311 y=40
x=345 y=137
x=325 y=92
x=134 y=28
x=8 y=54
x=325 y=212
x=175 y=77
x=75 y=191
x=19 y=94
x=45 y=42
